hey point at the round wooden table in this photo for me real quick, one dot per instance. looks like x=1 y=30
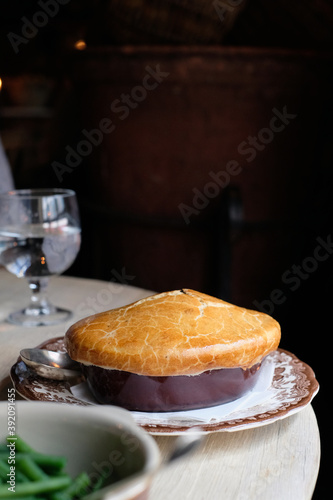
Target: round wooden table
x=279 y=461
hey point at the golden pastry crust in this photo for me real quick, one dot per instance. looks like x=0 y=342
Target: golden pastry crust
x=182 y=332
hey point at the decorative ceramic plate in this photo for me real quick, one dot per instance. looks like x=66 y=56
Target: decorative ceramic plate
x=286 y=385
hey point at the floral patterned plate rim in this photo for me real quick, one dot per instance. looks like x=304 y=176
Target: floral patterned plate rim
x=291 y=388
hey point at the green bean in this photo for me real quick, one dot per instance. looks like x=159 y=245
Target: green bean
x=30 y=497
x=31 y=469
x=52 y=462
x=20 y=477
x=20 y=444
x=4 y=470
x=3 y=465
x=76 y=489
x=40 y=476
x=35 y=487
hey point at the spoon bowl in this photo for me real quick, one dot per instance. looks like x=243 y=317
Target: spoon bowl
x=50 y=364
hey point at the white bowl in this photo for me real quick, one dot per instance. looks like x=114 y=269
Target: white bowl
x=98 y=440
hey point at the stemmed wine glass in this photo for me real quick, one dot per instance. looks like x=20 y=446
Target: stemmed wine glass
x=40 y=236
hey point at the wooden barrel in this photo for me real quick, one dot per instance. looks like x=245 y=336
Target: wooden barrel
x=173 y=146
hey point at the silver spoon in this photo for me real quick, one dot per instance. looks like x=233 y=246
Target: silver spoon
x=50 y=364
x=186 y=443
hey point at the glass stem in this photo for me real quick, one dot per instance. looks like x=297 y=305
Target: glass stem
x=39 y=303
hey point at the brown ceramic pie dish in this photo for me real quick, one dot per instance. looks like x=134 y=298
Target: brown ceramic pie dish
x=170 y=393
x=172 y=351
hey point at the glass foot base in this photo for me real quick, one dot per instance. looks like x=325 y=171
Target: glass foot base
x=39 y=317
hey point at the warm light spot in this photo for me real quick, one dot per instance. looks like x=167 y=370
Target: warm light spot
x=0 y=83
x=42 y=260
x=80 y=45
